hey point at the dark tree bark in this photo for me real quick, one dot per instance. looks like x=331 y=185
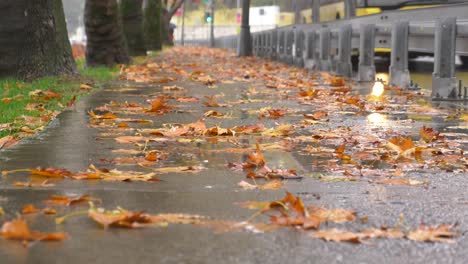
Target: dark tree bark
x=105 y=41
x=132 y=19
x=170 y=8
x=152 y=24
x=34 y=39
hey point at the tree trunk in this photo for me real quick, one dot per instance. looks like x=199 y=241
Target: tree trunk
x=105 y=41
x=166 y=29
x=152 y=24
x=34 y=39
x=170 y=8
x=132 y=19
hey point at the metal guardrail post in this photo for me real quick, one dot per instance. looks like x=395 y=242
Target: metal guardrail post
x=344 y=66
x=289 y=46
x=270 y=44
x=274 y=43
x=259 y=44
x=299 y=46
x=350 y=9
x=281 y=45
x=444 y=83
x=256 y=44
x=315 y=11
x=309 y=54
x=399 y=74
x=366 y=71
x=252 y=38
x=324 y=49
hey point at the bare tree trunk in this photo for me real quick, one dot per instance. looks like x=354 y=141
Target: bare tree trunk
x=168 y=12
x=34 y=39
x=132 y=19
x=166 y=28
x=152 y=24
x=105 y=41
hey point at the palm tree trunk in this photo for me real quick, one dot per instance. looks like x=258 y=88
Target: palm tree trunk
x=132 y=19
x=34 y=39
x=105 y=41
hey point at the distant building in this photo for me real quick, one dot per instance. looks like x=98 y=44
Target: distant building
x=264 y=16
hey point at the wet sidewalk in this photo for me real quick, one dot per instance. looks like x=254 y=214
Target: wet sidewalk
x=208 y=131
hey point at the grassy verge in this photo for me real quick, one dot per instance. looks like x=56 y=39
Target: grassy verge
x=27 y=107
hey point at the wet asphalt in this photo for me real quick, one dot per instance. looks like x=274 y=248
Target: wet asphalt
x=69 y=142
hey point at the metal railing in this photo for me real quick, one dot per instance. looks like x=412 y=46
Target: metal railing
x=441 y=30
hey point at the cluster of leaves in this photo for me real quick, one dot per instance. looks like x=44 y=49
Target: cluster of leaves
x=26 y=108
x=315 y=126
x=92 y=173
x=291 y=212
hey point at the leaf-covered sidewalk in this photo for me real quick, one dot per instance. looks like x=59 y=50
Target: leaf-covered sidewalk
x=210 y=158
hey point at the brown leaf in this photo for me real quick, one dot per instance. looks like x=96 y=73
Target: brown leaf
x=45 y=172
x=105 y=116
x=7 y=141
x=439 y=233
x=344 y=90
x=337 y=235
x=130 y=139
x=218 y=131
x=256 y=158
x=159 y=105
x=318 y=115
x=337 y=81
x=94 y=173
x=309 y=93
x=212 y=113
x=273 y=185
x=19 y=229
x=249 y=129
x=429 y=134
x=246 y=186
x=86 y=87
x=187 y=99
x=29 y=209
x=153 y=156
x=263 y=206
x=212 y=102
x=341 y=149
x=49 y=211
x=51 y=172
x=351 y=100
x=400 y=144
x=337 y=215
x=68 y=201
x=276 y=113
x=410 y=182
x=383 y=232
x=189 y=169
x=126 y=219
x=71 y=102
x=283 y=130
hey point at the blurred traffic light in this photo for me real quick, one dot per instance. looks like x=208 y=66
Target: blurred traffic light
x=208 y=17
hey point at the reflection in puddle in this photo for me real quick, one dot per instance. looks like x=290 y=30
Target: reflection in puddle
x=377 y=89
x=377 y=193
x=383 y=77
x=377 y=119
